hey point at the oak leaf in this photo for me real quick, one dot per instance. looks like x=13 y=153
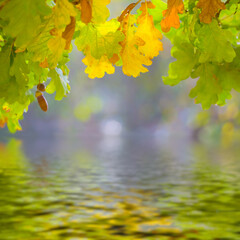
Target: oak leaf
x=186 y=59
x=59 y=83
x=209 y=9
x=207 y=88
x=86 y=11
x=214 y=84
x=5 y=61
x=100 y=12
x=22 y=19
x=3 y=121
x=62 y=13
x=56 y=46
x=38 y=48
x=55 y=35
x=94 y=11
x=101 y=39
x=170 y=15
x=148 y=33
x=68 y=32
x=215 y=43
x=132 y=59
x=96 y=68
x=127 y=10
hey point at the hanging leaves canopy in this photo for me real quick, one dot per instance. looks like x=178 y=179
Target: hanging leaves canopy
x=36 y=38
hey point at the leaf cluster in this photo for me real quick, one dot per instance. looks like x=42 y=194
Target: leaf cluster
x=36 y=36
x=206 y=47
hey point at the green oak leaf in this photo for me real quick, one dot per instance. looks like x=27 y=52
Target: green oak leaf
x=230 y=17
x=5 y=55
x=156 y=12
x=13 y=125
x=215 y=84
x=222 y=97
x=20 y=69
x=23 y=18
x=207 y=88
x=214 y=43
x=186 y=57
x=236 y=61
x=231 y=3
x=229 y=77
x=59 y=83
x=102 y=39
x=37 y=74
x=38 y=48
x=190 y=4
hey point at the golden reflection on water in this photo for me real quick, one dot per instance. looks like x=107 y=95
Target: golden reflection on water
x=44 y=200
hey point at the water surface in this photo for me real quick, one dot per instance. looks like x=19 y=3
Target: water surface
x=118 y=188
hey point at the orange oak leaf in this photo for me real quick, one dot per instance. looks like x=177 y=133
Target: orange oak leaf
x=6 y=108
x=209 y=9
x=127 y=10
x=114 y=58
x=44 y=64
x=86 y=11
x=3 y=121
x=68 y=32
x=170 y=15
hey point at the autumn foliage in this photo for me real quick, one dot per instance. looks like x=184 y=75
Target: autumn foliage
x=36 y=38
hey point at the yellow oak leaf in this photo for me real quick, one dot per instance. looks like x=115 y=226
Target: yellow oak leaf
x=6 y=108
x=209 y=9
x=96 y=68
x=62 y=12
x=132 y=59
x=55 y=35
x=170 y=15
x=148 y=33
x=62 y=16
x=100 y=12
x=56 y=46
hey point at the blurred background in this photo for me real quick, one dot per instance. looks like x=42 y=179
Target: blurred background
x=122 y=158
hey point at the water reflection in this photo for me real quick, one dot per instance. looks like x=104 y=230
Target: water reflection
x=118 y=188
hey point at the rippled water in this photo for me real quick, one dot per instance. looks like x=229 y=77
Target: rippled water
x=118 y=188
